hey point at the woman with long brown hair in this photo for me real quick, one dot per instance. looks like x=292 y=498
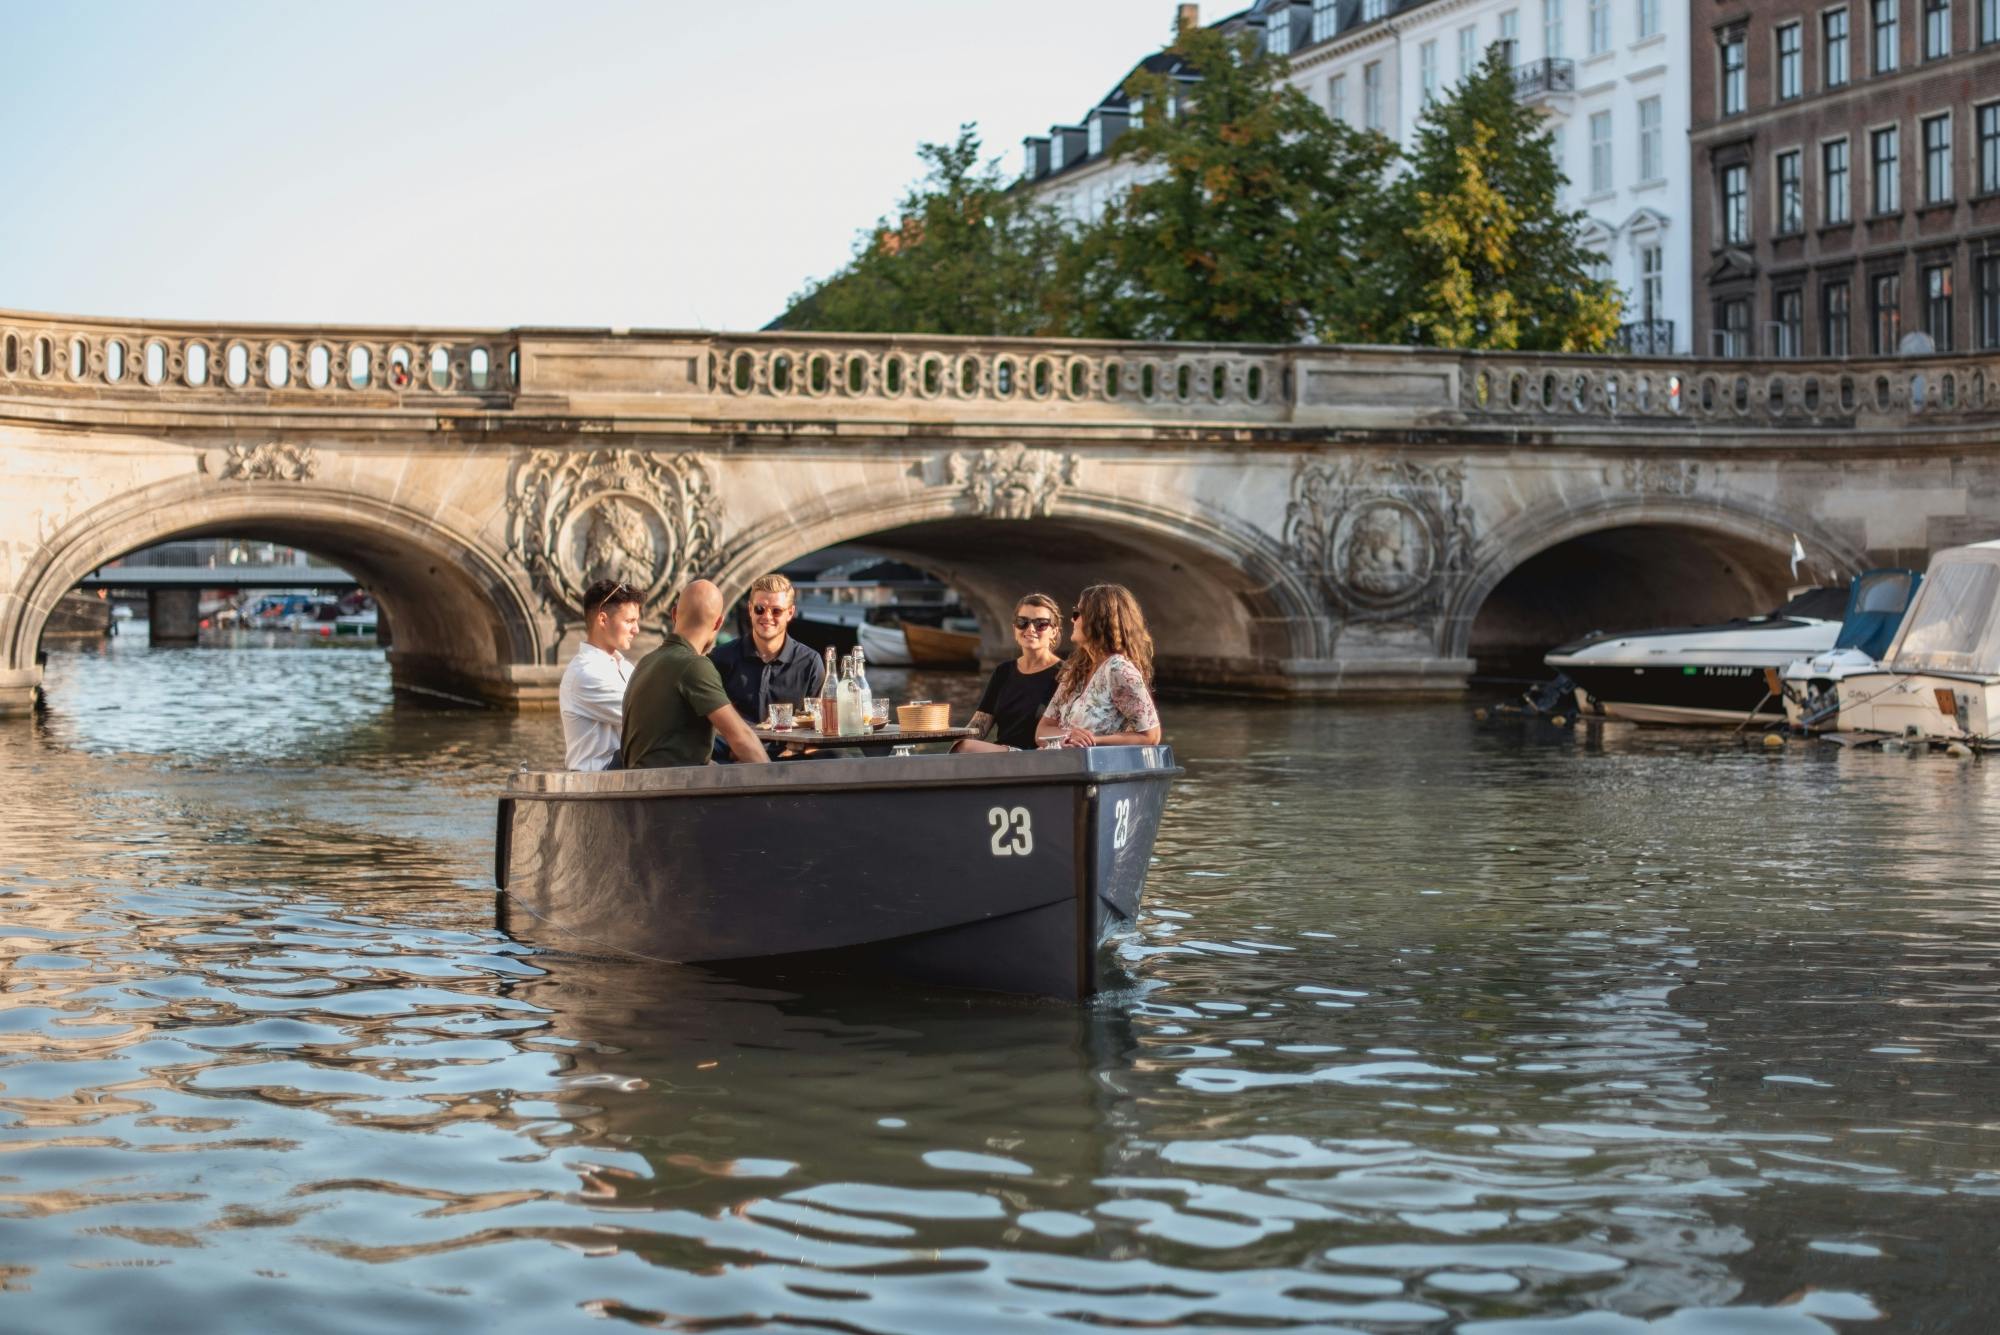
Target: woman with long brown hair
x=1021 y=688
x=1104 y=697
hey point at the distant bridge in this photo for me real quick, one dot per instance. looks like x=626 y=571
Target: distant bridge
x=1296 y=520
x=218 y=577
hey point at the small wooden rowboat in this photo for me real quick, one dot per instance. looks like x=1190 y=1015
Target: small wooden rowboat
x=930 y=646
x=1001 y=872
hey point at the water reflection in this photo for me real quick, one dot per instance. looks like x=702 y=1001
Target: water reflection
x=1430 y=1025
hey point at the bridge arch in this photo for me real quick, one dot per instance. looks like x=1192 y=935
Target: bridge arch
x=462 y=619
x=1219 y=598
x=1558 y=571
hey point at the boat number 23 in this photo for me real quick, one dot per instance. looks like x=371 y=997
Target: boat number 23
x=1013 y=833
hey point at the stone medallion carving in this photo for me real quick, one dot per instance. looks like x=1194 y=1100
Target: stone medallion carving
x=646 y=519
x=1674 y=477
x=1010 y=481
x=1381 y=537
x=273 y=461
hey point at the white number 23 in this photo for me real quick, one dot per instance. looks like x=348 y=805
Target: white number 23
x=1013 y=835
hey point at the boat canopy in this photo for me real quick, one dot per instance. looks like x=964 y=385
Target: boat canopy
x=1954 y=624
x=1875 y=607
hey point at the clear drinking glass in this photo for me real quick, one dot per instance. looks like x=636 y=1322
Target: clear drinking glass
x=878 y=712
x=781 y=717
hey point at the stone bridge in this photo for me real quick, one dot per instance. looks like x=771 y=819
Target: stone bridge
x=1296 y=520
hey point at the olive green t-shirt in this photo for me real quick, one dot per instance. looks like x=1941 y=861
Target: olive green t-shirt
x=667 y=703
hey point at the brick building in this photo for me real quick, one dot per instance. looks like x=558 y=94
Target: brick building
x=1846 y=175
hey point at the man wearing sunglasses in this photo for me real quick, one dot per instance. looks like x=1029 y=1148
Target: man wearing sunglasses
x=768 y=664
x=592 y=696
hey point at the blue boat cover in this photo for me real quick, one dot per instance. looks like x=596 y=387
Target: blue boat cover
x=1876 y=601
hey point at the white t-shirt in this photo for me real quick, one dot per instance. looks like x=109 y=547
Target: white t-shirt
x=593 y=706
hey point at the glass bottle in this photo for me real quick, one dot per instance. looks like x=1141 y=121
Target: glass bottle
x=828 y=691
x=865 y=700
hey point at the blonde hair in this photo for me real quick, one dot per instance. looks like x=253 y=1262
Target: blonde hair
x=1110 y=623
x=775 y=583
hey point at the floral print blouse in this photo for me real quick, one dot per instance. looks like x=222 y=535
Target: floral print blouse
x=1115 y=699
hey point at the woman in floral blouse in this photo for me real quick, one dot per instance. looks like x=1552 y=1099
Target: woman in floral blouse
x=1104 y=696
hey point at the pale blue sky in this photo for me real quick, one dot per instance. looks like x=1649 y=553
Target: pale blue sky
x=580 y=162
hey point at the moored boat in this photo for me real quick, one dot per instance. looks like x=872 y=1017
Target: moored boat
x=1876 y=602
x=1940 y=678
x=999 y=872
x=1700 y=674
x=885 y=646
x=933 y=646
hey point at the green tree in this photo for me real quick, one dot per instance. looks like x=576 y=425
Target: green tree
x=964 y=256
x=1251 y=215
x=1488 y=259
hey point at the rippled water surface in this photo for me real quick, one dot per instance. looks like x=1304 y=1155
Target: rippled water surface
x=1432 y=1025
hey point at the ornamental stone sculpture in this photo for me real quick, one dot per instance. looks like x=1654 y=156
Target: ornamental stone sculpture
x=575 y=517
x=1381 y=538
x=1012 y=481
x=272 y=461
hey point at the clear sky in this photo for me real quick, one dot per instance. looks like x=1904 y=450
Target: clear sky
x=578 y=162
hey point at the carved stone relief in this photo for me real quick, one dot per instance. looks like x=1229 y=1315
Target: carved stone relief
x=1674 y=477
x=272 y=461
x=1381 y=537
x=1010 y=481
x=646 y=519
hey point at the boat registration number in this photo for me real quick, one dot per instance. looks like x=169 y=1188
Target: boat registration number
x=1013 y=832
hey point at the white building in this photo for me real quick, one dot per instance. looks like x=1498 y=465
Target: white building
x=1611 y=75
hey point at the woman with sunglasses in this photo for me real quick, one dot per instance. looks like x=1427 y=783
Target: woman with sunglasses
x=1103 y=696
x=1021 y=689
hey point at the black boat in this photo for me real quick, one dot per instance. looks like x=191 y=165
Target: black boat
x=1001 y=872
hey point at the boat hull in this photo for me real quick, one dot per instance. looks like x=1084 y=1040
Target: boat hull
x=996 y=872
x=1931 y=705
x=1681 y=693
x=886 y=646
x=928 y=646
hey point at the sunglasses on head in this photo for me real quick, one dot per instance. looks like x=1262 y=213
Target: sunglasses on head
x=1035 y=623
x=606 y=599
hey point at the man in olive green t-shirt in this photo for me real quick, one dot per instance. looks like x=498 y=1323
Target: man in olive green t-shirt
x=675 y=704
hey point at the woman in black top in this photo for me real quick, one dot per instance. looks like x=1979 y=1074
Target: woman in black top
x=1020 y=690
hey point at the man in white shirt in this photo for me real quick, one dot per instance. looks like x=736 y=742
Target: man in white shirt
x=593 y=685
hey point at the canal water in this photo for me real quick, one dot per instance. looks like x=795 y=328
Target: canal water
x=1431 y=1024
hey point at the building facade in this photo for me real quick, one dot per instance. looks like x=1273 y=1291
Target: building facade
x=1847 y=176
x=1611 y=76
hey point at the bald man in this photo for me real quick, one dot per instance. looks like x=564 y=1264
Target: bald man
x=675 y=704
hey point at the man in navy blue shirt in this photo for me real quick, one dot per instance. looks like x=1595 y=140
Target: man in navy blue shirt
x=768 y=664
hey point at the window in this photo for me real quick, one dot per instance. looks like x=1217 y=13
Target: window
x=1732 y=327
x=1336 y=97
x=1371 y=95
x=1833 y=178
x=1833 y=41
x=1278 y=32
x=1468 y=50
x=1652 y=282
x=1600 y=27
x=1510 y=35
x=1652 y=166
x=1790 y=59
x=1600 y=151
x=1937 y=159
x=1937 y=29
x=1093 y=132
x=1791 y=193
x=1788 y=310
x=1937 y=305
x=1326 y=19
x=1557 y=140
x=1373 y=9
x=1885 y=315
x=1885 y=35
x=1989 y=301
x=1989 y=146
x=1732 y=40
x=1056 y=141
x=1736 y=205
x=1835 y=321
x=1552 y=28
x=1427 y=72
x=1888 y=197
x=1989 y=21
x=1649 y=17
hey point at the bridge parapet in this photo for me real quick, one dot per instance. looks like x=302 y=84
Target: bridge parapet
x=725 y=379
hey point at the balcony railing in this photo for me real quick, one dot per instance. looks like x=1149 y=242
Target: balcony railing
x=1541 y=78
x=1647 y=338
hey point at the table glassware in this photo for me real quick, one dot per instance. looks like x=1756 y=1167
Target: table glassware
x=878 y=712
x=781 y=717
x=1049 y=743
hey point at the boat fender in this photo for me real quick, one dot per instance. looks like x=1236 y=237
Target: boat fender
x=1559 y=720
x=1772 y=739
x=1958 y=750
x=1479 y=716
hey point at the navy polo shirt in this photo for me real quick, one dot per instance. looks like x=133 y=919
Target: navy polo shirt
x=794 y=675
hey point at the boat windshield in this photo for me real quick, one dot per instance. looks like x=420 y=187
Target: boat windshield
x=1952 y=627
x=1875 y=609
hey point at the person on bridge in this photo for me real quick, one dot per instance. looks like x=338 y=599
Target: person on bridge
x=675 y=704
x=592 y=697
x=767 y=664
x=1021 y=689
x=1104 y=697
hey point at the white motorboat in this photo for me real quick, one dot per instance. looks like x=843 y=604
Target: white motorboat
x=1941 y=676
x=1876 y=602
x=885 y=646
x=1700 y=674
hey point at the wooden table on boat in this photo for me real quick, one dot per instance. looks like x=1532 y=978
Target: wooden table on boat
x=881 y=738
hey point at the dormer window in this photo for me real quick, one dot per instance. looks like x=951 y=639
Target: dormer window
x=1055 y=150
x=1138 y=105
x=1374 y=9
x=1278 y=31
x=1326 y=19
x=1093 y=126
